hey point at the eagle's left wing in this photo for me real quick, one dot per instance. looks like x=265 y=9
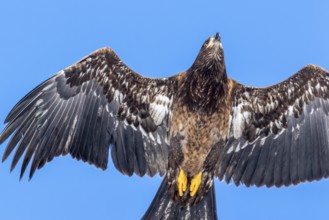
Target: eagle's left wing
x=86 y=108
x=279 y=135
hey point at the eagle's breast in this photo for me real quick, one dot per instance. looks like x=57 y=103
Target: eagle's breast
x=199 y=130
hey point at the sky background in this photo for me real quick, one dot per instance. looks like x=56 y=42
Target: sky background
x=265 y=42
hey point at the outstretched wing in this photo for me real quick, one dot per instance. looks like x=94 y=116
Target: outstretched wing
x=84 y=109
x=279 y=135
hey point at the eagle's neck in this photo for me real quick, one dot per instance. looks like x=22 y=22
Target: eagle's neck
x=204 y=88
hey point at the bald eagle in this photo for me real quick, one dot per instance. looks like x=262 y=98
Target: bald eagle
x=190 y=128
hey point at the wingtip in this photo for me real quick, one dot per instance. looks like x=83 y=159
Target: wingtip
x=12 y=167
x=4 y=157
x=30 y=176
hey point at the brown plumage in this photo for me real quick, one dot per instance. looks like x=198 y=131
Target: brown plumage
x=192 y=127
x=200 y=117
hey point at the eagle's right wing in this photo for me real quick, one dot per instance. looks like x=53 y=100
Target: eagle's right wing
x=279 y=135
x=87 y=107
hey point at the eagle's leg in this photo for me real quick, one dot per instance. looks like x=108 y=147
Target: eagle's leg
x=181 y=182
x=195 y=183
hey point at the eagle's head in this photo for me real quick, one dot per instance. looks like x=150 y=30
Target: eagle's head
x=206 y=79
x=210 y=59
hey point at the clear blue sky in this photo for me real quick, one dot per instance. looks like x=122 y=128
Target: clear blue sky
x=265 y=42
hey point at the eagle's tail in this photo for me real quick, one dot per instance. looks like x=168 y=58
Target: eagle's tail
x=163 y=207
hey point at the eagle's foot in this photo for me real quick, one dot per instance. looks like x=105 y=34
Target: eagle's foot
x=195 y=183
x=181 y=183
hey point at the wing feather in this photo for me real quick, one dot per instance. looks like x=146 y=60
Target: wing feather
x=86 y=108
x=279 y=134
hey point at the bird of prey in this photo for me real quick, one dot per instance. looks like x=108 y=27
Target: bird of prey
x=190 y=128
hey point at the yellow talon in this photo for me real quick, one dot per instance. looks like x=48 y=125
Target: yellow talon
x=195 y=183
x=181 y=183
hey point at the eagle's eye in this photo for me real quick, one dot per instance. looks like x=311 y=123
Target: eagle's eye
x=206 y=43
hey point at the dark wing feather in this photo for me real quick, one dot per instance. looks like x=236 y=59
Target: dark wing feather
x=89 y=106
x=279 y=135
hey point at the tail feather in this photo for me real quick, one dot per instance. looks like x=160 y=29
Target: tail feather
x=163 y=207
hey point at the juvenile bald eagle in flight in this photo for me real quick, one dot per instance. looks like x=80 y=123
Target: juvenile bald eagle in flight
x=191 y=127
